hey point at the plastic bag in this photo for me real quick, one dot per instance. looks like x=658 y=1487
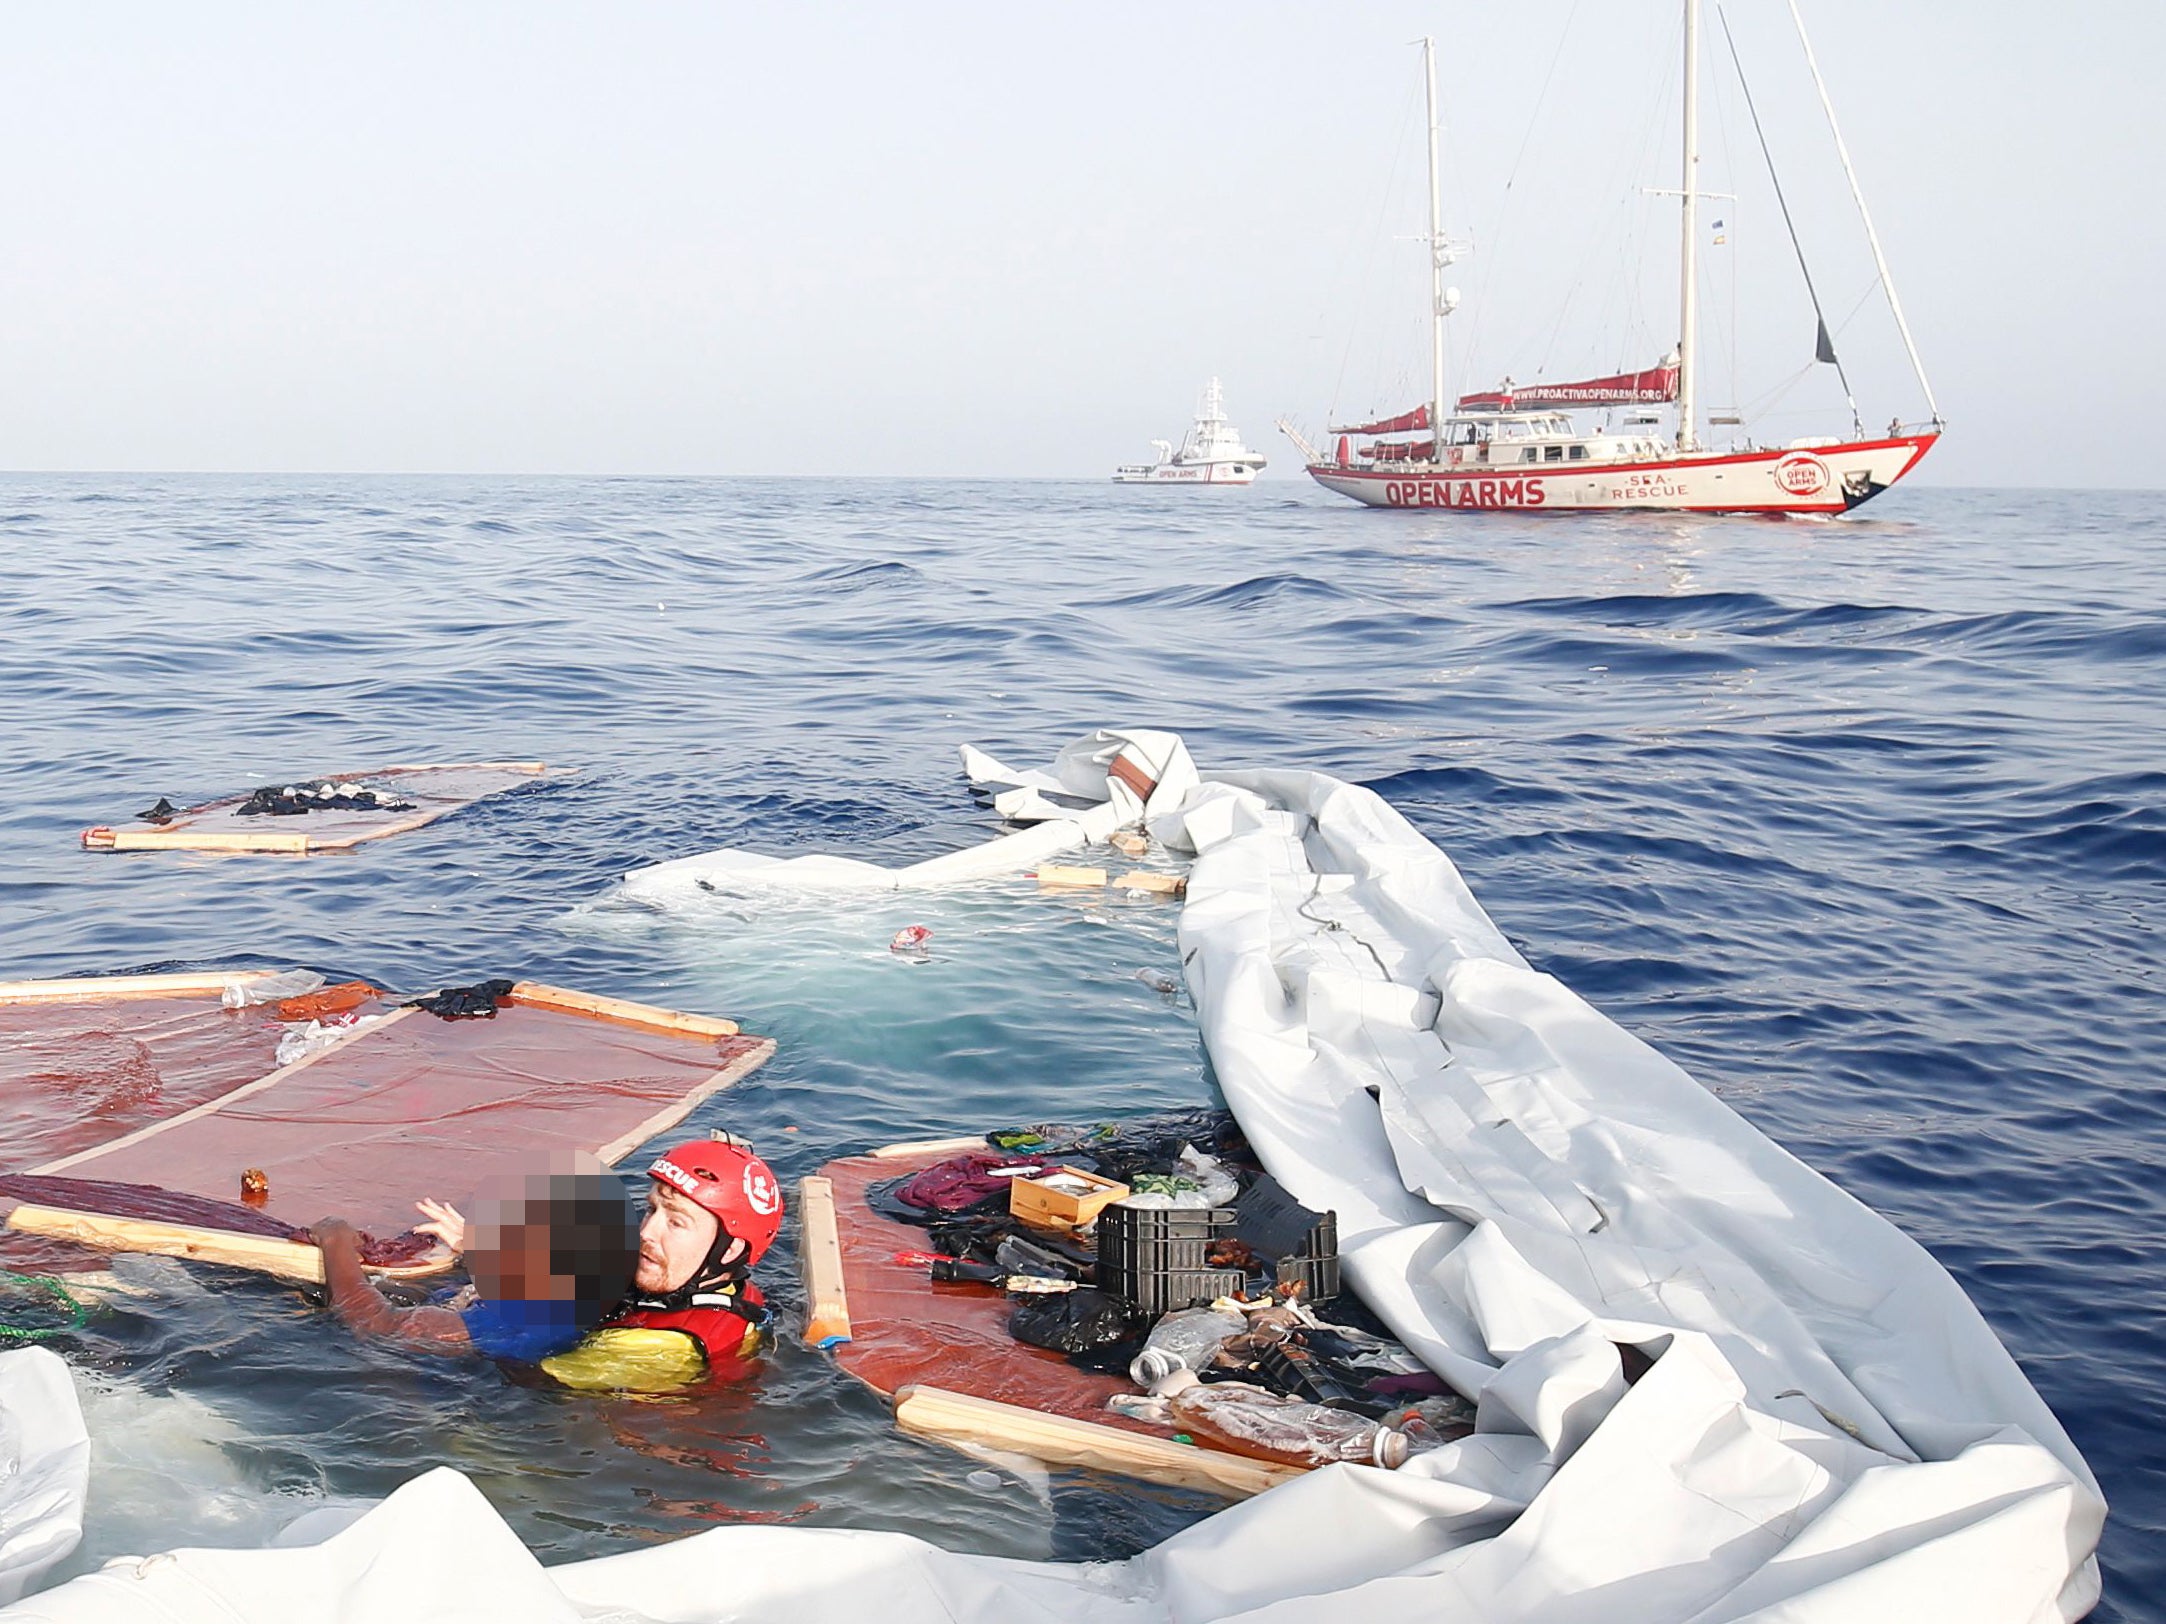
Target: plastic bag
x=239 y=994
x=1074 y=1322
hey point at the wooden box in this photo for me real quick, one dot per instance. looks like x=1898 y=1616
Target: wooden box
x=1062 y=1197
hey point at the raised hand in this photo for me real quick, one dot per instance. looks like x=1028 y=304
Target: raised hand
x=445 y=1222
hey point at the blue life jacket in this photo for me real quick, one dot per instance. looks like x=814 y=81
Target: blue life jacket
x=528 y=1332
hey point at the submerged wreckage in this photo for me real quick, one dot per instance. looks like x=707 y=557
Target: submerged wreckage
x=1707 y=1384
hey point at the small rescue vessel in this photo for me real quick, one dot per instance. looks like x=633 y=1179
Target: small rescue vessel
x=1518 y=447
x=1211 y=455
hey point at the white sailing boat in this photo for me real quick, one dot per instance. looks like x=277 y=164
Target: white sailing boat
x=1211 y=455
x=1519 y=447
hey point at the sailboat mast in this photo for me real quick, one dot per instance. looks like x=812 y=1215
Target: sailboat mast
x=1857 y=192
x=1439 y=257
x=1688 y=255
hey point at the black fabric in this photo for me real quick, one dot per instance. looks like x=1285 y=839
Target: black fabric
x=1074 y=1321
x=979 y=1237
x=1122 y=1149
x=292 y=800
x=962 y=1271
x=477 y=1002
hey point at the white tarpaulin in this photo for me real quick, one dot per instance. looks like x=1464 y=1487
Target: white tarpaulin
x=1827 y=1431
x=1108 y=781
x=44 y=1467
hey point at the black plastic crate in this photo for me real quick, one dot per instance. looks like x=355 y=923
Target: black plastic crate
x=1312 y=1279
x=1142 y=1249
x=1170 y=1289
x=1302 y=1244
x=1157 y=1257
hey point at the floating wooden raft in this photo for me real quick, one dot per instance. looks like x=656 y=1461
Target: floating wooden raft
x=943 y=1355
x=404 y=1105
x=218 y=826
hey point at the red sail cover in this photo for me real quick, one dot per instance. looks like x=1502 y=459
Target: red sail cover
x=1404 y=423
x=1656 y=384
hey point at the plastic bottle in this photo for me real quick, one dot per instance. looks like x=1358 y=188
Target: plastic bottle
x=1184 y=1340
x=1258 y=1422
x=1433 y=1422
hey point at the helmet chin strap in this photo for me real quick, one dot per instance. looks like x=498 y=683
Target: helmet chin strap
x=713 y=1275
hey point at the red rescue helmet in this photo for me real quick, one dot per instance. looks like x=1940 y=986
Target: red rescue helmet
x=729 y=1181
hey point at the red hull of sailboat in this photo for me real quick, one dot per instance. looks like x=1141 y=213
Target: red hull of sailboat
x=1818 y=479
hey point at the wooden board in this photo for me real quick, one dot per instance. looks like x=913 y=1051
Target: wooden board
x=910 y=1335
x=408 y=1105
x=966 y=1422
x=827 y=1299
x=83 y=989
x=217 y=826
x=84 y=1061
x=289 y=1260
x=539 y=995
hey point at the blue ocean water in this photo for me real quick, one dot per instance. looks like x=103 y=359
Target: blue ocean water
x=1862 y=822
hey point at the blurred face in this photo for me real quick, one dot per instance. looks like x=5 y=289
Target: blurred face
x=674 y=1240
x=509 y=1262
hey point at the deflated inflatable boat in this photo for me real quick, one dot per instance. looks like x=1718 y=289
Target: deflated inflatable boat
x=1828 y=1431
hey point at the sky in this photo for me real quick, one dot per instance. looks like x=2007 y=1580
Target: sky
x=1013 y=241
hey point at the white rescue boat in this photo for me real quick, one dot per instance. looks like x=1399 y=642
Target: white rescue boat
x=1211 y=455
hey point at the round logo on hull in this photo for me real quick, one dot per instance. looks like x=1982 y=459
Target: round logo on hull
x=1803 y=475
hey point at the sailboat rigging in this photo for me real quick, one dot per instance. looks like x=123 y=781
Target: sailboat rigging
x=1518 y=446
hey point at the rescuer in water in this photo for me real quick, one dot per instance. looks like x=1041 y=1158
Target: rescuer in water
x=683 y=1311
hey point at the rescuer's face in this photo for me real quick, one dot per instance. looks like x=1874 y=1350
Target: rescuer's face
x=673 y=1241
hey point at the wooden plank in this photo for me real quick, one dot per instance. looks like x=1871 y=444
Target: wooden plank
x=227 y=1098
x=64 y=989
x=180 y=836
x=289 y=1260
x=102 y=839
x=1062 y=874
x=935 y=1147
x=959 y=1420
x=746 y=1063
x=622 y=1011
x=1147 y=880
x=827 y=1305
x=420 y=820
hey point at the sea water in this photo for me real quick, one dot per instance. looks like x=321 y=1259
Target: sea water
x=1860 y=821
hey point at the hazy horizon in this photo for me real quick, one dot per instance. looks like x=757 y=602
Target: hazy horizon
x=967 y=243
